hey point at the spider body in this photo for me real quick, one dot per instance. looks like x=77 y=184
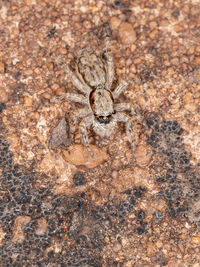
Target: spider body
x=94 y=77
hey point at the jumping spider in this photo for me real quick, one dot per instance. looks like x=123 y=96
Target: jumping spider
x=94 y=78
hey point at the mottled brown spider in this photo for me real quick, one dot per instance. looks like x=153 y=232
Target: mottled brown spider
x=94 y=78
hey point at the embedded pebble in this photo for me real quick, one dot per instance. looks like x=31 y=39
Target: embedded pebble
x=197 y=60
x=87 y=24
x=175 y=61
x=28 y=101
x=2 y=67
x=114 y=23
x=42 y=226
x=159 y=205
x=117 y=247
x=196 y=240
x=2 y=234
x=127 y=33
x=142 y=155
x=153 y=34
x=3 y=95
x=18 y=233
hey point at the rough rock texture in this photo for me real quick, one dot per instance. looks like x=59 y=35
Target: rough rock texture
x=115 y=209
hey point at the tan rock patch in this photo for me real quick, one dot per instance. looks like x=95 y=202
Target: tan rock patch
x=79 y=155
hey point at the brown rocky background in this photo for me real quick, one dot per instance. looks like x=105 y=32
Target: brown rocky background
x=61 y=207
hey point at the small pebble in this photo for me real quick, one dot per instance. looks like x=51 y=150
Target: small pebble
x=114 y=23
x=175 y=61
x=2 y=234
x=42 y=226
x=133 y=68
x=197 y=49
x=3 y=95
x=142 y=155
x=117 y=247
x=115 y=174
x=191 y=50
x=196 y=240
x=28 y=101
x=127 y=33
x=178 y=28
x=152 y=25
x=18 y=233
x=197 y=60
x=153 y=34
x=87 y=24
x=28 y=72
x=2 y=67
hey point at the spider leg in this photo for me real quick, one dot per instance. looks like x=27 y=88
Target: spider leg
x=110 y=69
x=123 y=117
x=84 y=88
x=120 y=88
x=86 y=122
x=70 y=97
x=80 y=113
x=128 y=106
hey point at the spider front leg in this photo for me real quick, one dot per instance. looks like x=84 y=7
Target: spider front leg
x=86 y=122
x=110 y=70
x=84 y=88
x=80 y=113
x=128 y=106
x=123 y=117
x=70 y=97
x=120 y=88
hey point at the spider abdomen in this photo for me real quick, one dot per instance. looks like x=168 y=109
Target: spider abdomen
x=91 y=68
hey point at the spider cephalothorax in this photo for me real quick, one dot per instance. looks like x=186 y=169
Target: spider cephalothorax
x=94 y=78
x=102 y=105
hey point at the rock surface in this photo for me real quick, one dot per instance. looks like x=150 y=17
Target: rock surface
x=112 y=209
